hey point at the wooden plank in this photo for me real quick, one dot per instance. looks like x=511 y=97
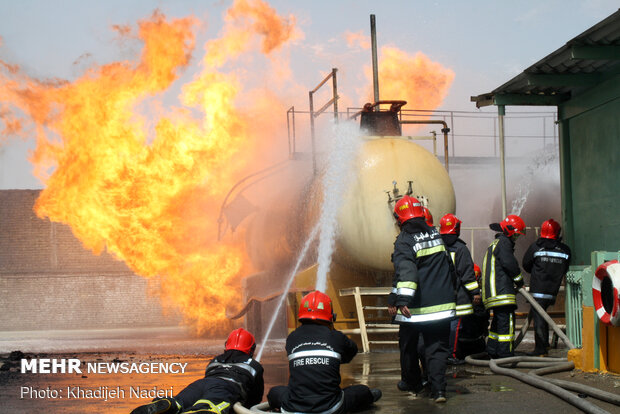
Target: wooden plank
x=366 y=291
x=362 y=320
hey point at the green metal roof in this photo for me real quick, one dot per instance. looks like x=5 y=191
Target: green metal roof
x=581 y=63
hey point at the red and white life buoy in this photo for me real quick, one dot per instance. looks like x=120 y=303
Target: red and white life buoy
x=606 y=292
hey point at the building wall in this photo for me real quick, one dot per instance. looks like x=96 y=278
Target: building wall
x=48 y=280
x=591 y=170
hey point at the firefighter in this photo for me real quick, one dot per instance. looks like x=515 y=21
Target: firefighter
x=547 y=261
x=315 y=351
x=474 y=328
x=231 y=377
x=425 y=299
x=500 y=274
x=467 y=292
x=404 y=333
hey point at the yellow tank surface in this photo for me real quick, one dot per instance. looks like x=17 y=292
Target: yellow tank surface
x=367 y=228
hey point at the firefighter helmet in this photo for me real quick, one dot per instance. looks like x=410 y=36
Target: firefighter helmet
x=428 y=217
x=407 y=208
x=316 y=305
x=550 y=229
x=450 y=224
x=241 y=340
x=477 y=271
x=512 y=224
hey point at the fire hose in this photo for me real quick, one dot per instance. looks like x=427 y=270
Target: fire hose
x=545 y=366
x=542 y=366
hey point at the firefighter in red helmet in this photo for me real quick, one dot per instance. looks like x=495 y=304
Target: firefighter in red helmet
x=423 y=296
x=467 y=290
x=547 y=262
x=231 y=377
x=500 y=275
x=315 y=351
x=428 y=217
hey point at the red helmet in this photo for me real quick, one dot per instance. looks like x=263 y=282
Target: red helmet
x=477 y=271
x=407 y=208
x=316 y=305
x=241 y=340
x=450 y=224
x=550 y=229
x=428 y=217
x=512 y=224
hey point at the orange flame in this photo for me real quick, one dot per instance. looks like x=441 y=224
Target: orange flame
x=148 y=189
x=149 y=198
x=416 y=79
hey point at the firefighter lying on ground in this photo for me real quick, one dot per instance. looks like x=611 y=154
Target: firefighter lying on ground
x=424 y=279
x=547 y=261
x=500 y=274
x=315 y=351
x=231 y=377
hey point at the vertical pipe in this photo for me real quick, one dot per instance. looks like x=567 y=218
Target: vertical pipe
x=375 y=67
x=452 y=132
x=310 y=98
x=501 y=111
x=335 y=93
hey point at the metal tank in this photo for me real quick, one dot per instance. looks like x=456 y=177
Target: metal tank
x=385 y=166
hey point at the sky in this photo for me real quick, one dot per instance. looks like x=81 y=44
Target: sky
x=484 y=43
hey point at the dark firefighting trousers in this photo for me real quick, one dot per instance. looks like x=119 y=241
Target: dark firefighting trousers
x=501 y=334
x=473 y=332
x=436 y=335
x=407 y=357
x=201 y=396
x=541 y=328
x=356 y=397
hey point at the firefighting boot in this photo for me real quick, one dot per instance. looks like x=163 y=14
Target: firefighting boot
x=162 y=406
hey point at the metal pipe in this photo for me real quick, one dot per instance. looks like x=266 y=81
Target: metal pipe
x=335 y=93
x=312 y=137
x=501 y=111
x=445 y=131
x=375 y=66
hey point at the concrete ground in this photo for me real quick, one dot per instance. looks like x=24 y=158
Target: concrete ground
x=470 y=389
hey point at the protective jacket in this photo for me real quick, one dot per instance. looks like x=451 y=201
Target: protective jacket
x=547 y=261
x=466 y=284
x=315 y=353
x=234 y=376
x=423 y=273
x=500 y=272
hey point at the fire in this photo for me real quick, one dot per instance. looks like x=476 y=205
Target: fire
x=149 y=191
x=416 y=79
x=145 y=181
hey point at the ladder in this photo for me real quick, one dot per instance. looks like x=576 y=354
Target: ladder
x=365 y=328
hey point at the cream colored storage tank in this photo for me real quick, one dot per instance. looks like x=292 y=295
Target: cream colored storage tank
x=367 y=228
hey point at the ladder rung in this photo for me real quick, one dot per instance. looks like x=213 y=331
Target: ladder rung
x=375 y=307
x=381 y=325
x=383 y=342
x=382 y=330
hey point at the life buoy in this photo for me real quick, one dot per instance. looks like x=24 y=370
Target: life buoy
x=606 y=292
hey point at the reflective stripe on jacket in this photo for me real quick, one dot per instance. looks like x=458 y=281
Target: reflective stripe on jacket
x=424 y=276
x=500 y=273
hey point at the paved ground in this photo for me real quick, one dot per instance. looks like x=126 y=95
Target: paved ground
x=470 y=389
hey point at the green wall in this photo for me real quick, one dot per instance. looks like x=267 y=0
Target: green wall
x=590 y=170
